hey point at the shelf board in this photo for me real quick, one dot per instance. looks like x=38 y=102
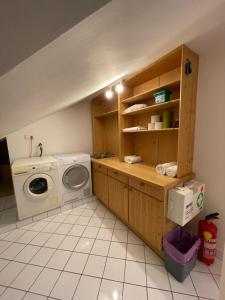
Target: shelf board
x=107 y=114
x=165 y=105
x=152 y=130
x=147 y=94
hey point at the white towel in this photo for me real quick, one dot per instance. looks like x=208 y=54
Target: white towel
x=132 y=159
x=134 y=107
x=161 y=168
x=171 y=171
x=135 y=128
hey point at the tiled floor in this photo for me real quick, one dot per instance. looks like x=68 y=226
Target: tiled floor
x=85 y=254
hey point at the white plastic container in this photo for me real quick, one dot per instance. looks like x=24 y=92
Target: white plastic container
x=184 y=203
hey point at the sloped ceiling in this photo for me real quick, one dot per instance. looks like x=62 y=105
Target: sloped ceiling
x=118 y=39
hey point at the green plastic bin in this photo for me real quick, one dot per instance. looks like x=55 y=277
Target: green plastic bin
x=162 y=96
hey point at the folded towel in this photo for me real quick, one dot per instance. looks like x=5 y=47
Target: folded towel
x=132 y=159
x=171 y=171
x=134 y=107
x=161 y=168
x=135 y=128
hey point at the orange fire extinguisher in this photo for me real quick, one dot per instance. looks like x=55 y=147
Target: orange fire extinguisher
x=208 y=234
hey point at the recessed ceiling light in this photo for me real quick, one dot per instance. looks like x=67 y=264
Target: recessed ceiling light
x=119 y=87
x=109 y=94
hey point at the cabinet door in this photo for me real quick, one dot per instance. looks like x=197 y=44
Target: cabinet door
x=100 y=186
x=146 y=217
x=118 y=198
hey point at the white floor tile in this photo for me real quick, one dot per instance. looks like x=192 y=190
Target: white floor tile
x=90 y=232
x=40 y=217
x=63 y=228
x=120 y=236
x=108 y=223
x=135 y=273
x=216 y=267
x=65 y=286
x=95 y=266
x=39 y=226
x=135 y=252
x=11 y=294
x=9 y=273
x=42 y=257
x=95 y=221
x=2 y=289
x=31 y=296
x=4 y=245
x=26 y=278
x=59 y=218
x=14 y=235
x=157 y=277
x=55 y=240
x=51 y=227
x=69 y=243
x=114 y=269
x=183 y=297
x=120 y=225
x=100 y=247
x=70 y=219
x=105 y=234
x=118 y=250
x=205 y=285
x=77 y=211
x=45 y=282
x=27 y=237
x=83 y=220
x=84 y=245
x=134 y=239
x=185 y=287
x=12 y=251
x=90 y=293
x=134 y=292
x=217 y=278
x=110 y=290
x=152 y=258
x=3 y=263
x=40 y=239
x=77 y=230
x=76 y=263
x=159 y=295
x=27 y=253
x=87 y=213
x=59 y=259
x=110 y=215
x=201 y=267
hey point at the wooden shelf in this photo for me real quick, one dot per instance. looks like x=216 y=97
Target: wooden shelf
x=147 y=94
x=107 y=114
x=152 y=130
x=165 y=105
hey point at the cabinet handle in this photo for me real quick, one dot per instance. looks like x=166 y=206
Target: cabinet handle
x=142 y=184
x=130 y=189
x=125 y=186
x=115 y=173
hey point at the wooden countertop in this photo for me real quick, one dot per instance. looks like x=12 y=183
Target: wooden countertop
x=142 y=171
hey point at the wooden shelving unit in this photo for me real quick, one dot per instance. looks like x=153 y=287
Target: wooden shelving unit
x=107 y=114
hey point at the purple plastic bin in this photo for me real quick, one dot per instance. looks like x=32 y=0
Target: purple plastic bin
x=181 y=244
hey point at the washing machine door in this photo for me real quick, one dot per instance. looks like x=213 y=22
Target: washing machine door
x=75 y=177
x=38 y=186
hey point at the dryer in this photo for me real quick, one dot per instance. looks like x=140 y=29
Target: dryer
x=75 y=176
x=36 y=185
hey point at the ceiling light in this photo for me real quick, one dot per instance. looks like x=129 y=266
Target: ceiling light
x=109 y=94
x=119 y=87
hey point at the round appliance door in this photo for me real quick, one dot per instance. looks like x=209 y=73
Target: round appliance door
x=38 y=186
x=75 y=177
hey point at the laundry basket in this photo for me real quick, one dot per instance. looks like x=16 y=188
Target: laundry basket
x=181 y=248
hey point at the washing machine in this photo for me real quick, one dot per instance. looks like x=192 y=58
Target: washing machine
x=75 y=176
x=36 y=185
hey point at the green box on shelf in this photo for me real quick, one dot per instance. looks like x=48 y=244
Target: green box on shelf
x=162 y=96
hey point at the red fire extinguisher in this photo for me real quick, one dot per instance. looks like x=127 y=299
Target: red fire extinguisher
x=208 y=235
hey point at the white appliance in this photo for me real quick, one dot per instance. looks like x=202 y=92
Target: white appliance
x=184 y=203
x=36 y=185
x=75 y=176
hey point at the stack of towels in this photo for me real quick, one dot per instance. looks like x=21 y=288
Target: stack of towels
x=169 y=169
x=134 y=107
x=132 y=159
x=135 y=128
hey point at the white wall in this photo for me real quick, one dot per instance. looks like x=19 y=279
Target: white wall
x=209 y=156
x=69 y=130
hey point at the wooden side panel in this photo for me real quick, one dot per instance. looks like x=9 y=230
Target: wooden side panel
x=118 y=198
x=146 y=217
x=187 y=113
x=167 y=146
x=100 y=185
x=146 y=145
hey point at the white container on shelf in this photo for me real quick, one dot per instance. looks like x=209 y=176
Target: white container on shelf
x=151 y=126
x=155 y=118
x=158 y=125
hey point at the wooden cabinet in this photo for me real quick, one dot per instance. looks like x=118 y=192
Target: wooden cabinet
x=118 y=198
x=100 y=185
x=146 y=217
